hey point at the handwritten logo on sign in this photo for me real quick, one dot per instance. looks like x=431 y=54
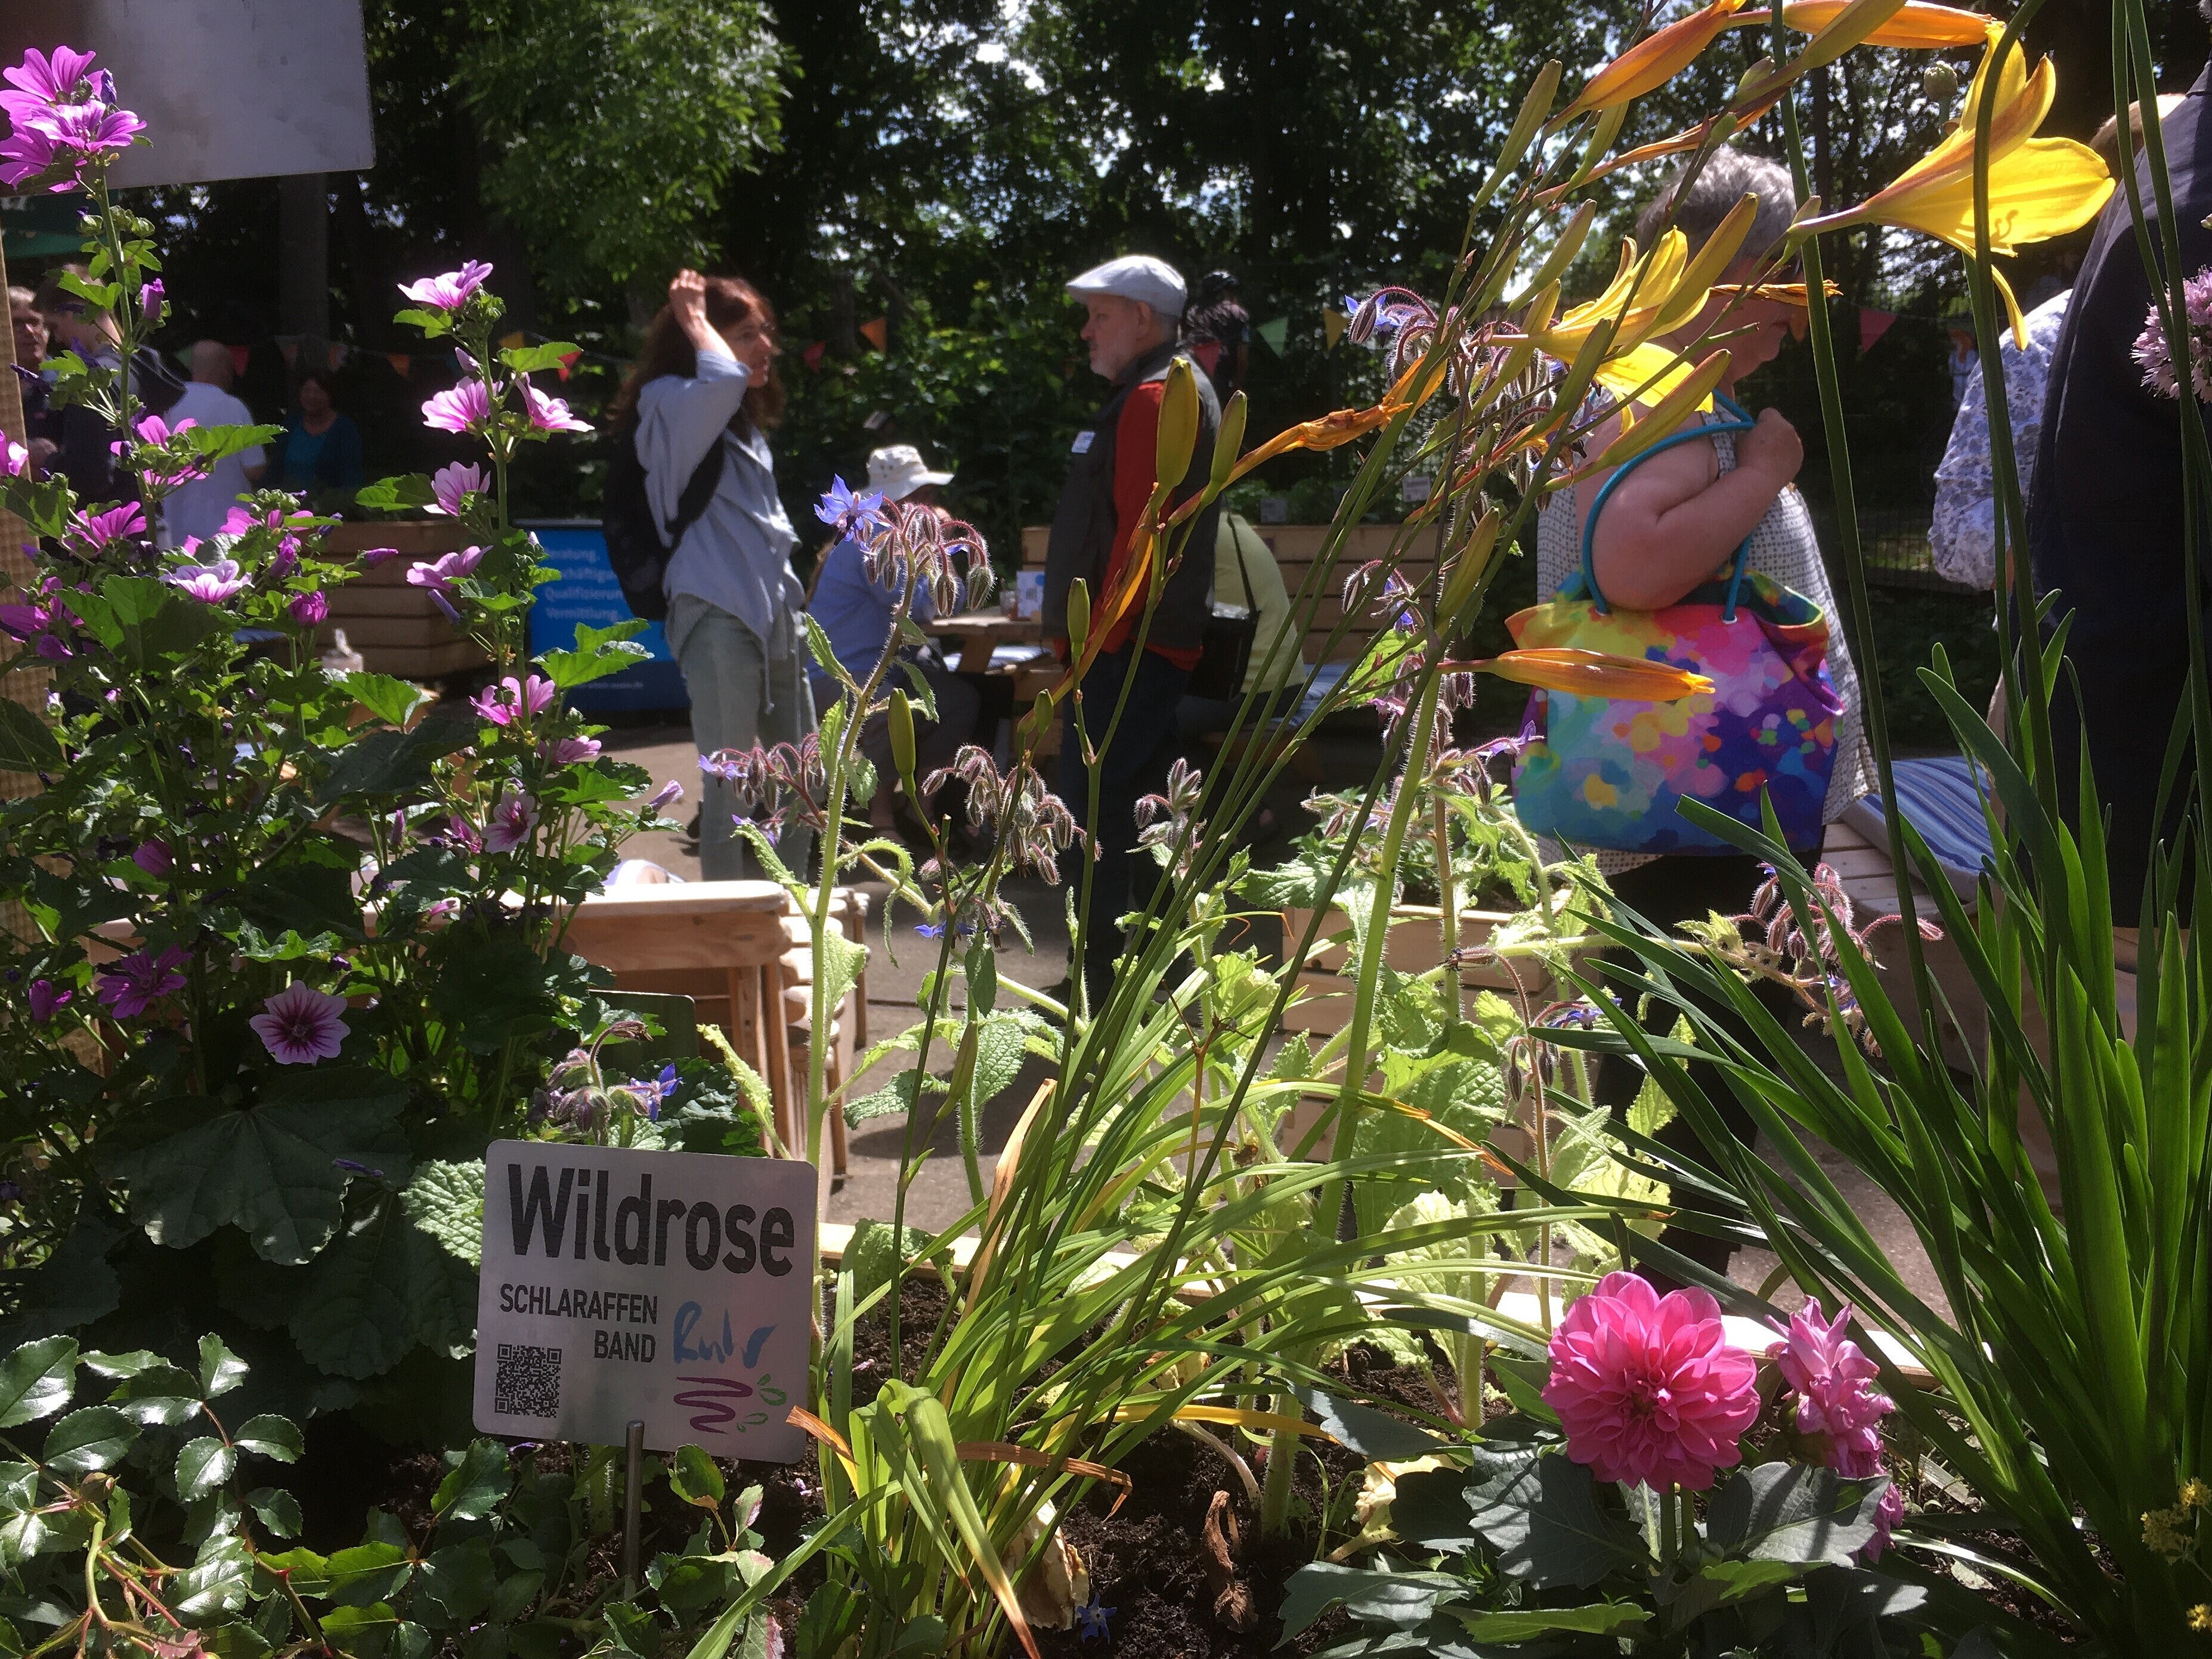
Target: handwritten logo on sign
x=711 y=1397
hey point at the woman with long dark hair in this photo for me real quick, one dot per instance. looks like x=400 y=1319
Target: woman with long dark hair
x=704 y=386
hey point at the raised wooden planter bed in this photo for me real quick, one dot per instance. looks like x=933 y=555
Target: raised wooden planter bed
x=394 y=627
x=1411 y=947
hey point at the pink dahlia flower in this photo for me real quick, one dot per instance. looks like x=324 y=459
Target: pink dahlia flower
x=1838 y=1406
x=211 y=584
x=301 y=1026
x=548 y=414
x=457 y=411
x=512 y=821
x=451 y=291
x=439 y=574
x=1888 y=1513
x=450 y=483
x=512 y=699
x=1647 y=1387
x=135 y=984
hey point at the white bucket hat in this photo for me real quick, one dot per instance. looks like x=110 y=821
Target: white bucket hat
x=898 y=470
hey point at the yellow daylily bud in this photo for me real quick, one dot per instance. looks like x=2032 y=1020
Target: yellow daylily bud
x=1518 y=136
x=1230 y=438
x=1915 y=26
x=1178 y=429
x=1564 y=252
x=1079 y=615
x=901 y=725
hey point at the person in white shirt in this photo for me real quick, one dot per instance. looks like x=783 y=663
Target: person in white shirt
x=200 y=507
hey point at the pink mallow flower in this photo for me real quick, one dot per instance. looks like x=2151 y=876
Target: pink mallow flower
x=141 y=979
x=1837 y=1406
x=70 y=135
x=512 y=821
x=570 y=751
x=46 y=999
x=1647 y=1387
x=451 y=291
x=93 y=531
x=14 y=457
x=41 y=81
x=448 y=484
x=211 y=584
x=511 y=699
x=459 y=409
x=439 y=574
x=301 y=1026
x=548 y=414
x=310 y=609
x=153 y=857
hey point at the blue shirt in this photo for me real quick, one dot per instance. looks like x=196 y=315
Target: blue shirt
x=856 y=614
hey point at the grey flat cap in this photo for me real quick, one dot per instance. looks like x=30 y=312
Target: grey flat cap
x=1136 y=276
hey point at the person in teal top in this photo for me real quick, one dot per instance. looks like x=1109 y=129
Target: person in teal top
x=321 y=455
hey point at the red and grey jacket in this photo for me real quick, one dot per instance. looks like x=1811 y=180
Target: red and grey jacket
x=1105 y=495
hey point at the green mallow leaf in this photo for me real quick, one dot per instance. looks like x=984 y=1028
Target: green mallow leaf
x=389 y=699
x=93 y=1439
x=446 y=1200
x=1794 y=1512
x=277 y=1168
x=1543 y=1519
x=396 y=494
x=599 y=651
x=1404 y=1601
x=26 y=743
x=37 y=1380
x=385 y=1288
x=202 y=1466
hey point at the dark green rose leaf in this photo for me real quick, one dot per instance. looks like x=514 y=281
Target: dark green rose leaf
x=37 y=1380
x=474 y=1487
x=269 y=1436
x=202 y=1466
x=93 y=1439
x=278 y=1509
x=220 y=1370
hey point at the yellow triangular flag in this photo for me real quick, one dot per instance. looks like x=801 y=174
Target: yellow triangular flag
x=512 y=342
x=1333 y=322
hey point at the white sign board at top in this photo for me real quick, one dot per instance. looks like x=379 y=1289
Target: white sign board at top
x=228 y=88
x=673 y=1288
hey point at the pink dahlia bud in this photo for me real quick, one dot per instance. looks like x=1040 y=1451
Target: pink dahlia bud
x=1838 y=1406
x=1648 y=1387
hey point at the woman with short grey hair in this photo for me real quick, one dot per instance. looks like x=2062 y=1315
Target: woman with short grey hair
x=1675 y=521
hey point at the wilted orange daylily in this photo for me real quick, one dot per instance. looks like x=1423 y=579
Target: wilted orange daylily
x=1590 y=674
x=1655 y=59
x=2038 y=187
x=1917 y=26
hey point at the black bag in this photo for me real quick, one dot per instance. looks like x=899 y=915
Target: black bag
x=637 y=547
x=1226 y=652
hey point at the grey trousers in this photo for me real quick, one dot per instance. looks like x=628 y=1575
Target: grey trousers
x=741 y=697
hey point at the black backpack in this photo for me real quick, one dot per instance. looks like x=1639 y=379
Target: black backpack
x=635 y=544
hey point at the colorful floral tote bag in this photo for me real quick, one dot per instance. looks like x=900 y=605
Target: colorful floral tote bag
x=1609 y=772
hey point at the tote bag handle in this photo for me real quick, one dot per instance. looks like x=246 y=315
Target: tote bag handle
x=1740 y=421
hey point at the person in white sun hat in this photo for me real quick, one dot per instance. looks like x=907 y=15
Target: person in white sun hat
x=856 y=614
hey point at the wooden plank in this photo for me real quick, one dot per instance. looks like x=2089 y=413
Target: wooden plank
x=410 y=662
x=624 y=944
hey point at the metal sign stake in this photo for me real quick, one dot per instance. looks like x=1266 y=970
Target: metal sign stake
x=633 y=1494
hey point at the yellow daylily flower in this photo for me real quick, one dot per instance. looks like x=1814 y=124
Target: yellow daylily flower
x=2038 y=187
x=1917 y=26
x=1649 y=296
x=1655 y=59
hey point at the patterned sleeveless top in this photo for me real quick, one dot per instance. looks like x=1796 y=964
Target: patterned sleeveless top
x=1782 y=546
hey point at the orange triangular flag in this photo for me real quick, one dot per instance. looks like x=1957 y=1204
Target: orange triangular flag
x=512 y=342
x=568 y=361
x=877 y=332
x=400 y=361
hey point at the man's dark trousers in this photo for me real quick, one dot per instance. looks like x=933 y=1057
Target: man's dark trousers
x=1133 y=765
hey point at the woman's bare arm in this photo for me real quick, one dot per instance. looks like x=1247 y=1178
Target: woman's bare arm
x=1676 y=518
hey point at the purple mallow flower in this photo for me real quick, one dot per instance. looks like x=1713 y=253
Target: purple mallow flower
x=512 y=821
x=46 y=999
x=301 y=1026
x=548 y=414
x=456 y=411
x=141 y=979
x=451 y=291
x=439 y=574
x=93 y=531
x=570 y=751
x=211 y=584
x=449 y=485
x=512 y=699
x=150 y=298
x=309 y=610
x=153 y=857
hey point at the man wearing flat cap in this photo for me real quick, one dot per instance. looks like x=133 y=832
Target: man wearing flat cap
x=1135 y=304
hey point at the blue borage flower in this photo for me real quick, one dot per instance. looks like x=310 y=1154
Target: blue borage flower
x=853 y=515
x=1091 y=1618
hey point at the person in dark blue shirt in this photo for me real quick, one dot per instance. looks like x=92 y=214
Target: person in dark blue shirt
x=321 y=453
x=856 y=614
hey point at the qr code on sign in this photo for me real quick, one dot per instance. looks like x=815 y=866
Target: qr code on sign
x=528 y=1381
